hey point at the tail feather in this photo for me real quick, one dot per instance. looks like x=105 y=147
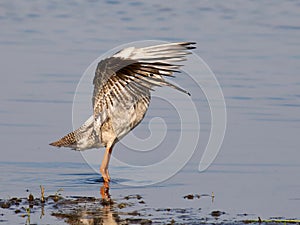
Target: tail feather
x=66 y=141
x=83 y=138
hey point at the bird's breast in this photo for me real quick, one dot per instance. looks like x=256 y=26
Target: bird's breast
x=123 y=118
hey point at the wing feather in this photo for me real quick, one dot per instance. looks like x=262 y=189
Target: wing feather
x=131 y=74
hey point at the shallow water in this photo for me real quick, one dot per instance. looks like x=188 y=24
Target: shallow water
x=252 y=47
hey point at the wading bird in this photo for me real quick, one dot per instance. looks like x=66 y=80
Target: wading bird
x=121 y=96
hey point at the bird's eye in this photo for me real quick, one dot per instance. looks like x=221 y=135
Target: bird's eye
x=151 y=74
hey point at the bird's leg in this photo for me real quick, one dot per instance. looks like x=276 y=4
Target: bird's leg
x=104 y=165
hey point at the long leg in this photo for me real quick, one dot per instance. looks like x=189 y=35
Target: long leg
x=104 y=165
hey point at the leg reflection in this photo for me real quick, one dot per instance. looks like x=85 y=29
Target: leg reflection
x=88 y=210
x=104 y=191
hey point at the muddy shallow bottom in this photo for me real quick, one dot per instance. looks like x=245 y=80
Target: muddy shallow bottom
x=130 y=209
x=73 y=194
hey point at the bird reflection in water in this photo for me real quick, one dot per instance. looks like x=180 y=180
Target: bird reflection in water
x=104 y=192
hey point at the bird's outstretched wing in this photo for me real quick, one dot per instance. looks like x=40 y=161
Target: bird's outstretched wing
x=131 y=73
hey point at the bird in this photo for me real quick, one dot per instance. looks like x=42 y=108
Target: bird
x=123 y=84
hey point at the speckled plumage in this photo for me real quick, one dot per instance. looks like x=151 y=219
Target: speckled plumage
x=121 y=97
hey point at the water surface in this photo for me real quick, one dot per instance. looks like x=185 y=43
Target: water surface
x=253 y=48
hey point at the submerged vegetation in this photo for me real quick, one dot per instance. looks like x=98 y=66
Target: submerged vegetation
x=130 y=209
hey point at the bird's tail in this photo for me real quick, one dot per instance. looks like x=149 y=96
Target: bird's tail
x=67 y=141
x=81 y=139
